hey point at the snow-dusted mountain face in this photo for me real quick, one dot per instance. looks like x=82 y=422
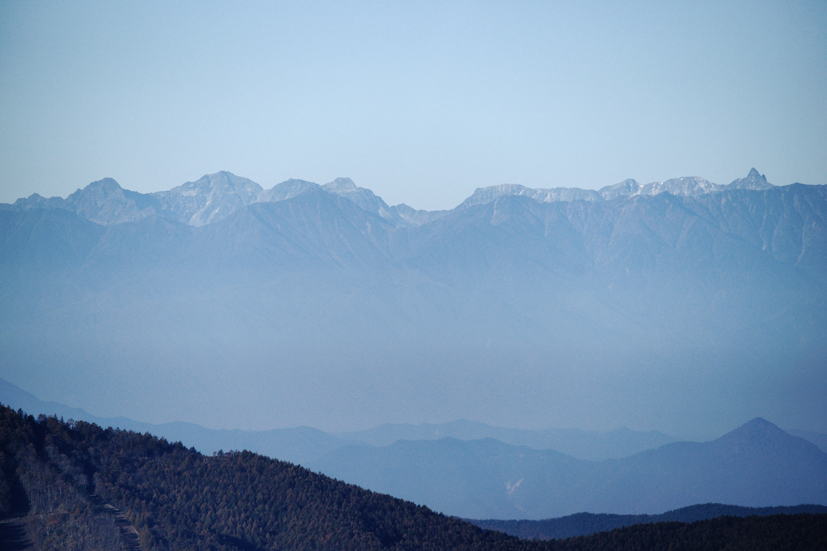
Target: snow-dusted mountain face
x=286 y=190
x=691 y=186
x=364 y=199
x=209 y=199
x=681 y=187
x=489 y=194
x=754 y=181
x=626 y=188
x=103 y=202
x=219 y=299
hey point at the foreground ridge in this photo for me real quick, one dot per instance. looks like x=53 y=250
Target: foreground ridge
x=176 y=498
x=66 y=474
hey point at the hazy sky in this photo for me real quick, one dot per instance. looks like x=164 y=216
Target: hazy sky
x=421 y=102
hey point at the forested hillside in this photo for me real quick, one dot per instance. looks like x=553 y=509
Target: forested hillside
x=73 y=482
x=179 y=499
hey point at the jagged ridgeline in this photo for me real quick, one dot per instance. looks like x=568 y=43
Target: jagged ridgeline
x=249 y=297
x=74 y=485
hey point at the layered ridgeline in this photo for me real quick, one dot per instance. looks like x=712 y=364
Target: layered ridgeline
x=78 y=486
x=306 y=445
x=582 y=524
x=216 y=196
x=231 y=305
x=68 y=481
x=460 y=469
x=756 y=465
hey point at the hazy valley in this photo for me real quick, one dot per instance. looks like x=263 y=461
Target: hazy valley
x=413 y=276
x=233 y=306
x=220 y=303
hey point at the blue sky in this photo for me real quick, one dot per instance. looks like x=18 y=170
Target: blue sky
x=421 y=102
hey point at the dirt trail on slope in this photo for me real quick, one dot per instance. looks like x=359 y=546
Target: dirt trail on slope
x=129 y=534
x=15 y=536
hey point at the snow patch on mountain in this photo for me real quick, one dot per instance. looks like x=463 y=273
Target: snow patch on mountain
x=363 y=198
x=753 y=181
x=210 y=198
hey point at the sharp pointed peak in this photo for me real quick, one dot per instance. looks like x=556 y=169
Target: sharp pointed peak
x=754 y=175
x=754 y=180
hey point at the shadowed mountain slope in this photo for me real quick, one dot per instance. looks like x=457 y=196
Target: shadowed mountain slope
x=175 y=498
x=81 y=486
x=583 y=524
x=210 y=198
x=756 y=465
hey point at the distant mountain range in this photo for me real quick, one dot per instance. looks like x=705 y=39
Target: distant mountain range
x=221 y=302
x=756 y=465
x=216 y=196
x=304 y=445
x=210 y=199
x=589 y=445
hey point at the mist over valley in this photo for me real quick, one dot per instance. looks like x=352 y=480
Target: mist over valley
x=683 y=306
x=413 y=276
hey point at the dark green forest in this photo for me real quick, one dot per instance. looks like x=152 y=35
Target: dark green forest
x=74 y=485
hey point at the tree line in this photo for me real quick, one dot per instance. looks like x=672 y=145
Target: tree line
x=61 y=475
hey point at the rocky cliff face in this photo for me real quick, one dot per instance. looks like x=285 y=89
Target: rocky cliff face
x=209 y=199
